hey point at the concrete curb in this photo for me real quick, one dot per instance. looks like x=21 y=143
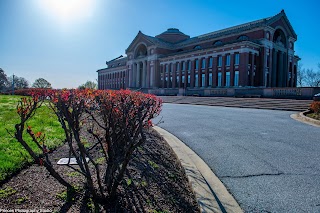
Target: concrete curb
x=304 y=119
x=210 y=192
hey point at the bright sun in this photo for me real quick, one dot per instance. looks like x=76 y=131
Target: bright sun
x=67 y=12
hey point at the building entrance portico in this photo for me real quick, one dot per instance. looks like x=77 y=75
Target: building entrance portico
x=139 y=74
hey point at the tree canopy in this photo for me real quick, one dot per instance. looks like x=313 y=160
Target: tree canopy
x=19 y=82
x=41 y=83
x=88 y=85
x=3 y=80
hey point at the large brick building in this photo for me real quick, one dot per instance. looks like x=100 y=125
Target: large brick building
x=257 y=54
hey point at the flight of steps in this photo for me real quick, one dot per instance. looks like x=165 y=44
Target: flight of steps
x=257 y=103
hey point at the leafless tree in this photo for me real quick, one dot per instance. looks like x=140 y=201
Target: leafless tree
x=308 y=77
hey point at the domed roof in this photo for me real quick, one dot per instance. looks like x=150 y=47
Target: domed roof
x=173 y=30
x=173 y=35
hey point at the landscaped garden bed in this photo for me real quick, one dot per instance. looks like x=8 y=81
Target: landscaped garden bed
x=313 y=116
x=153 y=181
x=315 y=110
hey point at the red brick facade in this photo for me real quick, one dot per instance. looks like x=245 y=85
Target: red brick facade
x=255 y=54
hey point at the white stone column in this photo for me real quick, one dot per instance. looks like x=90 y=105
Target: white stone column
x=144 y=74
x=152 y=77
x=148 y=74
x=128 y=76
x=133 y=77
x=138 y=83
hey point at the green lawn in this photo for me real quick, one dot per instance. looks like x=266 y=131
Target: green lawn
x=12 y=155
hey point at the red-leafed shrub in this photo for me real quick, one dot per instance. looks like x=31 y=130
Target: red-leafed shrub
x=116 y=120
x=315 y=107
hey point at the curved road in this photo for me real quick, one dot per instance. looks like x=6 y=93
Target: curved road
x=268 y=161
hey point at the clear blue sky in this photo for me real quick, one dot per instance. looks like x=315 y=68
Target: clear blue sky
x=67 y=41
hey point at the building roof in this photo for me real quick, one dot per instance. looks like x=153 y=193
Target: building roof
x=238 y=29
x=216 y=34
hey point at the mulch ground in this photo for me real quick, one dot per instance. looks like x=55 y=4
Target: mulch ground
x=154 y=182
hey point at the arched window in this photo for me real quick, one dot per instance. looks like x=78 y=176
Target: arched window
x=198 y=47
x=141 y=51
x=243 y=38
x=217 y=43
x=280 y=38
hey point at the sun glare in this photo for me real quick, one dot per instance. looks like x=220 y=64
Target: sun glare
x=68 y=12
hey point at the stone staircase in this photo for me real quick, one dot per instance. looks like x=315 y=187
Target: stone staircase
x=257 y=103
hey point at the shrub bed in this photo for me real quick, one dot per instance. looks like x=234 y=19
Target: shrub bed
x=116 y=121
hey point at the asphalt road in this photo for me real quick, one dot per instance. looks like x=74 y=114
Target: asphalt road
x=268 y=161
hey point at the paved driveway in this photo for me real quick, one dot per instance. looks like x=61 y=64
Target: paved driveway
x=268 y=161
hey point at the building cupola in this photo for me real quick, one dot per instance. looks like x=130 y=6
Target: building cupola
x=173 y=35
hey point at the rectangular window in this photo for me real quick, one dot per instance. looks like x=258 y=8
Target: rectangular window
x=196 y=63
x=188 y=84
x=177 y=81
x=227 y=79
x=228 y=60
x=219 y=61
x=210 y=62
x=237 y=59
x=236 y=78
x=182 y=80
x=219 y=79
x=203 y=63
x=184 y=65
x=189 y=65
x=210 y=79
x=203 y=80
x=178 y=66
x=196 y=80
